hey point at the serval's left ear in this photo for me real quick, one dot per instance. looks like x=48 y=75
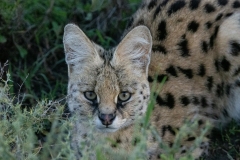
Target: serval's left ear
x=134 y=50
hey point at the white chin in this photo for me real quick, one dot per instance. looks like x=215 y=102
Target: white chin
x=107 y=130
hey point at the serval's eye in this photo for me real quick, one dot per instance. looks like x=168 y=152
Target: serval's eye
x=90 y=95
x=124 y=96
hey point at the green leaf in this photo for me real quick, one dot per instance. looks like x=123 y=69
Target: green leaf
x=97 y=4
x=89 y=17
x=22 y=51
x=2 y=39
x=56 y=27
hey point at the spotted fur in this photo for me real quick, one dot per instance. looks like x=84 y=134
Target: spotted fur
x=194 y=43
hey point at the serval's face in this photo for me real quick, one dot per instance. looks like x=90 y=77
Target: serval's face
x=108 y=88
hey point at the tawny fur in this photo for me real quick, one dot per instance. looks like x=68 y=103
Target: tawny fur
x=194 y=43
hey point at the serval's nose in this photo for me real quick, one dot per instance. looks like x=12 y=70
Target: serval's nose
x=107 y=119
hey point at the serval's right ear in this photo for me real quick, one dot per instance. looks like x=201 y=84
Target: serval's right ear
x=80 y=52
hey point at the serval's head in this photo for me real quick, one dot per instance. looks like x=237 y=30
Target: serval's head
x=108 y=88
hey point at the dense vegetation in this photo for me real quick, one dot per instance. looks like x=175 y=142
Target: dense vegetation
x=34 y=122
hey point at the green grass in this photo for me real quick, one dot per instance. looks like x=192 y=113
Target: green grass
x=39 y=132
x=33 y=120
